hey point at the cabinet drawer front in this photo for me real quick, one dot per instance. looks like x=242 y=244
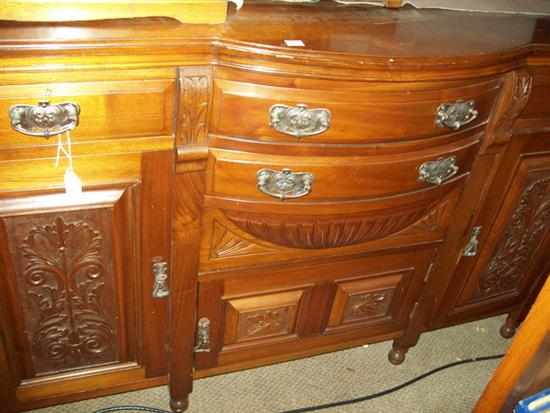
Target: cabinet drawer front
x=108 y=109
x=256 y=112
x=258 y=314
x=240 y=175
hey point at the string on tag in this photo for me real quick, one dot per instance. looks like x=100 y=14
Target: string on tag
x=73 y=185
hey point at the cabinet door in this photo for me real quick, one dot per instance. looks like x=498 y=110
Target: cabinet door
x=258 y=316
x=77 y=289
x=513 y=252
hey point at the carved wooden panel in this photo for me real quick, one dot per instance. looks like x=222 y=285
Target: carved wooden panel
x=224 y=244
x=317 y=232
x=261 y=317
x=194 y=86
x=67 y=286
x=69 y=281
x=366 y=300
x=527 y=227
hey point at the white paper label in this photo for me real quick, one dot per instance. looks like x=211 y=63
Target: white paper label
x=294 y=43
x=73 y=185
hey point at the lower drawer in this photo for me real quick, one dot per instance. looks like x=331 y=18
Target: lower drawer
x=250 y=317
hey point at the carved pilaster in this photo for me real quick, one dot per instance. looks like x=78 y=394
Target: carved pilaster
x=516 y=89
x=194 y=91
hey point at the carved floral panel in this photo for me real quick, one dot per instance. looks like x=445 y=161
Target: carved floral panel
x=66 y=287
x=368 y=305
x=262 y=316
x=526 y=229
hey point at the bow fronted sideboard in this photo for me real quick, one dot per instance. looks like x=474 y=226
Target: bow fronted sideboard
x=300 y=179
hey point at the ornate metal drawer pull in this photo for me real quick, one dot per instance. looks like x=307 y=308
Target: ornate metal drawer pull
x=284 y=184
x=44 y=119
x=439 y=171
x=456 y=115
x=298 y=120
x=202 y=344
x=160 y=272
x=470 y=250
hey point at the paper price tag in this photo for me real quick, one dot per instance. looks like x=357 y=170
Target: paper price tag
x=294 y=43
x=73 y=185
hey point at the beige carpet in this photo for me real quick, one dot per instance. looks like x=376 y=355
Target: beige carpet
x=344 y=375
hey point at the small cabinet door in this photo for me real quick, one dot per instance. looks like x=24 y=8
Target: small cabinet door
x=512 y=253
x=255 y=316
x=79 y=297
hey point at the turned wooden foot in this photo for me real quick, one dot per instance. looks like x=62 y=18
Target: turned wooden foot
x=397 y=355
x=508 y=329
x=179 y=406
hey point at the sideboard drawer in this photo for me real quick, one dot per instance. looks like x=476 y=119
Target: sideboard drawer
x=353 y=116
x=100 y=110
x=306 y=179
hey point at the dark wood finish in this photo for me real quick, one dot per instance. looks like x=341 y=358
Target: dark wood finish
x=174 y=126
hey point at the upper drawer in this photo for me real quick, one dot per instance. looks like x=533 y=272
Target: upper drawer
x=310 y=179
x=282 y=114
x=107 y=110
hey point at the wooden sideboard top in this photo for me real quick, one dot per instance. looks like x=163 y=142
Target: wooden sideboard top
x=343 y=37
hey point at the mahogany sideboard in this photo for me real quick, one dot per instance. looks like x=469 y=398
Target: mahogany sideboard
x=248 y=200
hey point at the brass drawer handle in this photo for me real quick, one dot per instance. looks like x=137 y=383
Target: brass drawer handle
x=44 y=119
x=284 y=184
x=438 y=171
x=456 y=115
x=299 y=121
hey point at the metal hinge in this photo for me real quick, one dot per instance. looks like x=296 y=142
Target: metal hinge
x=160 y=272
x=470 y=250
x=202 y=344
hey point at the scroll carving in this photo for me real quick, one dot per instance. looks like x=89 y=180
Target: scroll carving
x=194 y=86
x=528 y=225
x=64 y=278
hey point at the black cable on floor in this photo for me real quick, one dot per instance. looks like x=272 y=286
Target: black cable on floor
x=131 y=408
x=392 y=389
x=327 y=405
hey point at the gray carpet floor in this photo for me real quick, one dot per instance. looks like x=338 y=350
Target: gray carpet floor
x=343 y=375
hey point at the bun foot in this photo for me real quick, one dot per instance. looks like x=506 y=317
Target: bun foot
x=179 y=406
x=396 y=356
x=507 y=330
